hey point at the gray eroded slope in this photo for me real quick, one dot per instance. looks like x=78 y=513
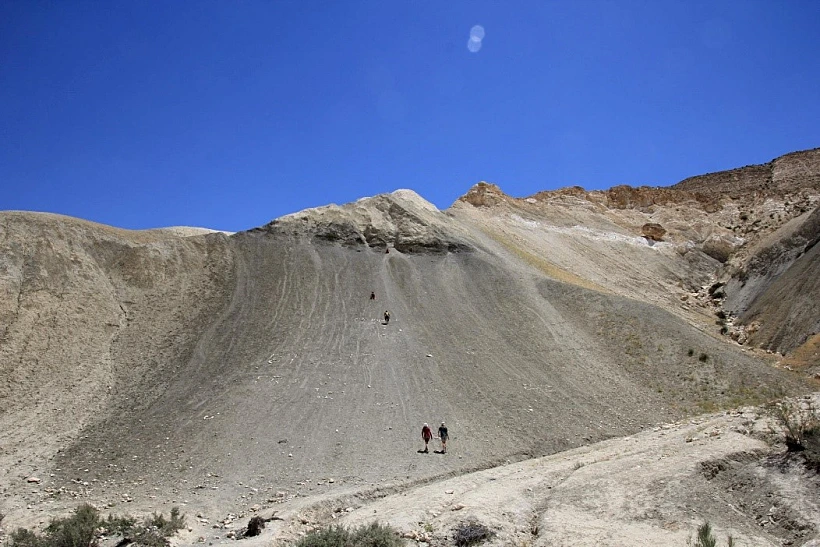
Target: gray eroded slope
x=297 y=380
x=93 y=320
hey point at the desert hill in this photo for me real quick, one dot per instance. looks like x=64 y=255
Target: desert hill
x=251 y=371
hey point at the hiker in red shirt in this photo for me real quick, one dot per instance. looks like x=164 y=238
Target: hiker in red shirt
x=426 y=434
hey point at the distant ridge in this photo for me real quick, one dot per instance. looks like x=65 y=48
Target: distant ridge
x=783 y=174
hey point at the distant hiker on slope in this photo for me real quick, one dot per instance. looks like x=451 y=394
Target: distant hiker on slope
x=426 y=435
x=442 y=434
x=372 y=296
x=386 y=317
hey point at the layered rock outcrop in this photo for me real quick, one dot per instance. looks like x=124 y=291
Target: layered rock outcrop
x=401 y=219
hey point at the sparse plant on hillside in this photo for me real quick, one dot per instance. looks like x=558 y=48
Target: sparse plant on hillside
x=706 y=538
x=471 y=533
x=76 y=530
x=166 y=527
x=85 y=527
x=703 y=357
x=23 y=537
x=797 y=422
x=374 y=535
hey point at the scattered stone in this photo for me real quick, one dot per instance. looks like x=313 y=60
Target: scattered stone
x=33 y=479
x=653 y=231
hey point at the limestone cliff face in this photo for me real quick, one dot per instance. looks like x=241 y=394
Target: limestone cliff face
x=788 y=173
x=484 y=194
x=756 y=224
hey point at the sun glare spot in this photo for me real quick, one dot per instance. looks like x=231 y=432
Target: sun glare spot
x=477 y=33
x=476 y=36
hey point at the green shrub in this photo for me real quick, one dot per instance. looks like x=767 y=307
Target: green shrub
x=374 y=535
x=706 y=538
x=118 y=524
x=332 y=536
x=471 y=533
x=82 y=529
x=166 y=527
x=74 y=531
x=23 y=537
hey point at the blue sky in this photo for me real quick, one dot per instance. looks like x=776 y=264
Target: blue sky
x=229 y=114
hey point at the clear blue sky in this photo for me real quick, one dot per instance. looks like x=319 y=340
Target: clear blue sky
x=229 y=114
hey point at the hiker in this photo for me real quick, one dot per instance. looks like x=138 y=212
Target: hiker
x=386 y=317
x=372 y=296
x=442 y=434
x=426 y=434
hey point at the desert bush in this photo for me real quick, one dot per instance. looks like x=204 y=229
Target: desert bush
x=83 y=528
x=471 y=533
x=332 y=536
x=23 y=537
x=373 y=535
x=117 y=524
x=797 y=422
x=74 y=531
x=703 y=357
x=166 y=527
x=376 y=535
x=706 y=538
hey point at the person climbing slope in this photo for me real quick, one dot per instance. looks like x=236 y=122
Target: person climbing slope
x=372 y=296
x=426 y=435
x=386 y=317
x=443 y=435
